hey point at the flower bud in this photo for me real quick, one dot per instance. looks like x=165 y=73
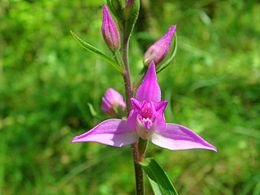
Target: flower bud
x=116 y=7
x=130 y=3
x=110 y=31
x=160 y=48
x=131 y=14
x=112 y=102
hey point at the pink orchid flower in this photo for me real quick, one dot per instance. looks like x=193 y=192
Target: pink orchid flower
x=146 y=120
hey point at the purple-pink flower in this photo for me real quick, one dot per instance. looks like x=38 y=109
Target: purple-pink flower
x=160 y=48
x=146 y=120
x=112 y=101
x=110 y=31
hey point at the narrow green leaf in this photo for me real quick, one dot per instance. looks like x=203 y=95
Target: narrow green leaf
x=158 y=179
x=173 y=53
x=92 y=110
x=95 y=50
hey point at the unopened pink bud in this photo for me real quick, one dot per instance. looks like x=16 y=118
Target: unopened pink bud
x=129 y=3
x=110 y=31
x=160 y=48
x=112 y=102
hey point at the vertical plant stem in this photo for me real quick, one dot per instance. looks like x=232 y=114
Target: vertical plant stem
x=139 y=181
x=127 y=77
x=139 y=175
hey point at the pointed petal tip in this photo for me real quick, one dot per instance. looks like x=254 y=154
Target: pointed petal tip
x=178 y=137
x=149 y=90
x=106 y=13
x=213 y=148
x=135 y=103
x=105 y=8
x=160 y=106
x=75 y=139
x=152 y=65
x=209 y=147
x=172 y=29
x=152 y=71
x=170 y=33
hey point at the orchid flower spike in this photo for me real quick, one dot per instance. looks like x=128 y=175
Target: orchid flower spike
x=110 y=31
x=146 y=120
x=112 y=102
x=160 y=48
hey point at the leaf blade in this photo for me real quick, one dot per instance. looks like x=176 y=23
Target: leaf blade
x=158 y=179
x=95 y=50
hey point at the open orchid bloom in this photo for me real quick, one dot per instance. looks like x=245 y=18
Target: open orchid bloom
x=146 y=120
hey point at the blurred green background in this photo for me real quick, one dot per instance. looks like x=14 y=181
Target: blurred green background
x=51 y=89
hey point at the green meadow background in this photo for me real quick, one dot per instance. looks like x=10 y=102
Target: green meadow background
x=51 y=89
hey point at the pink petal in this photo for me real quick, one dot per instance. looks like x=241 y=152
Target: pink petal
x=160 y=122
x=160 y=106
x=149 y=90
x=136 y=104
x=132 y=119
x=113 y=132
x=177 y=137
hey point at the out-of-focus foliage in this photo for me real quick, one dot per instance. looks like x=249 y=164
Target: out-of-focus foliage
x=51 y=89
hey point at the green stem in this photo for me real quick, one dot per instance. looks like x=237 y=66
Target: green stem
x=139 y=176
x=138 y=153
x=139 y=79
x=139 y=181
x=127 y=75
